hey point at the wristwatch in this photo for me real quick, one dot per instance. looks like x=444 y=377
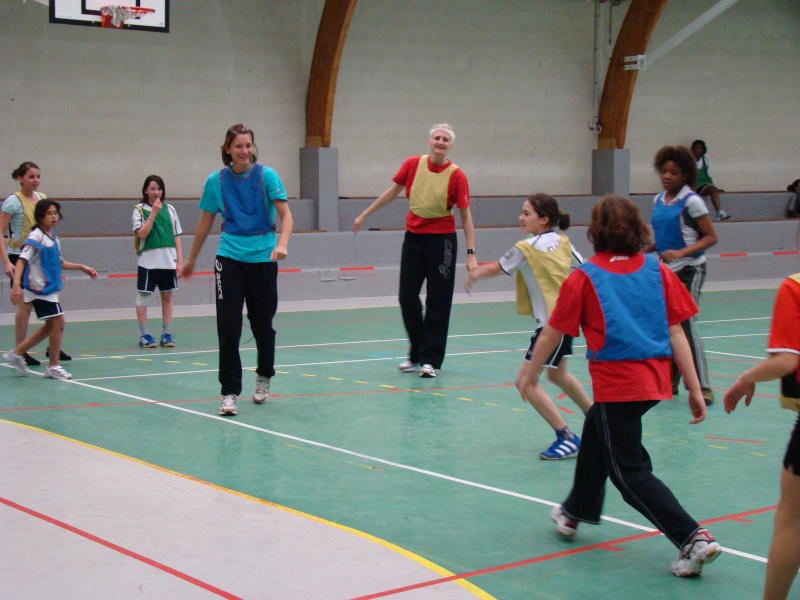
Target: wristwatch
x=470 y=250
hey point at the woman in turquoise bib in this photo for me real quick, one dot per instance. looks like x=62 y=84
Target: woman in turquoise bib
x=434 y=186
x=248 y=196
x=683 y=231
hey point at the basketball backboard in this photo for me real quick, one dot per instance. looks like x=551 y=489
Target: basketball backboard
x=87 y=12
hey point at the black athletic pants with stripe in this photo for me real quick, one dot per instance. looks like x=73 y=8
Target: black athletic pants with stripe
x=431 y=258
x=611 y=448
x=236 y=284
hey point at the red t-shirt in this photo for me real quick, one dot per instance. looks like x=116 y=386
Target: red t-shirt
x=784 y=334
x=457 y=195
x=579 y=308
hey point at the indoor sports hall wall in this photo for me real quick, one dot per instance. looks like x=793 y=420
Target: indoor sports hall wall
x=98 y=110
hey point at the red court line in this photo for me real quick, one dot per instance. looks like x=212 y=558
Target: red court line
x=708 y=437
x=356 y=268
x=610 y=545
x=783 y=252
x=129 y=553
x=727 y=254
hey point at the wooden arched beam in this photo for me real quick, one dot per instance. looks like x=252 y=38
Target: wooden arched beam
x=615 y=103
x=332 y=32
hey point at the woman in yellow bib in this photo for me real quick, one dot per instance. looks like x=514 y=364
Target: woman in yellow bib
x=434 y=186
x=542 y=263
x=17 y=216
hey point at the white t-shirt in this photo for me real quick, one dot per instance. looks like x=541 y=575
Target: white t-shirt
x=35 y=273
x=158 y=258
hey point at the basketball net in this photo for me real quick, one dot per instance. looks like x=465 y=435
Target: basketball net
x=115 y=15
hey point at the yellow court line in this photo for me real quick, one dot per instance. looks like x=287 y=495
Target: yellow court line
x=479 y=593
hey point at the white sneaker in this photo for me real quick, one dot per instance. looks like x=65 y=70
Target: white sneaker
x=721 y=215
x=56 y=372
x=427 y=371
x=17 y=362
x=700 y=551
x=564 y=525
x=407 y=366
x=261 y=392
x=228 y=406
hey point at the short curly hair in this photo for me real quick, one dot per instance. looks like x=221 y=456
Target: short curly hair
x=682 y=157
x=617 y=226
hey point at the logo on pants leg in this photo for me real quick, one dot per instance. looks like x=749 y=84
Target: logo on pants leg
x=218 y=276
x=447 y=260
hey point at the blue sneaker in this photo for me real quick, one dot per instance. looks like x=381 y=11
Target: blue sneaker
x=562 y=448
x=167 y=340
x=147 y=341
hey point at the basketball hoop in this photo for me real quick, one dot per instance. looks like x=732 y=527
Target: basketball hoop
x=115 y=15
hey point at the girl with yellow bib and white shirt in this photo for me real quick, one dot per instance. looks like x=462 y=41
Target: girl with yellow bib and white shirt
x=542 y=263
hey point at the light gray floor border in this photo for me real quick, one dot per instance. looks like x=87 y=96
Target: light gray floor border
x=146 y=520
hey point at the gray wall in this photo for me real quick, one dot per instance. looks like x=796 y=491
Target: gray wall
x=100 y=109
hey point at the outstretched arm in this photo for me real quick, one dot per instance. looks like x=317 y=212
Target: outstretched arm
x=480 y=272
x=776 y=366
x=382 y=200
x=70 y=266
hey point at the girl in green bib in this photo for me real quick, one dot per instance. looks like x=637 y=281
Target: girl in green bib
x=157 y=240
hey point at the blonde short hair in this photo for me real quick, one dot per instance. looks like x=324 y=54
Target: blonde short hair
x=443 y=127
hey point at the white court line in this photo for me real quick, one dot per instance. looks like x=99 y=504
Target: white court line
x=286 y=366
x=735 y=320
x=426 y=472
x=294 y=346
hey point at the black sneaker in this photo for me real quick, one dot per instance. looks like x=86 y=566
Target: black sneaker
x=62 y=356
x=30 y=361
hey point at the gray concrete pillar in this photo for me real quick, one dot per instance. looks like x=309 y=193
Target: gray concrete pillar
x=611 y=172
x=319 y=181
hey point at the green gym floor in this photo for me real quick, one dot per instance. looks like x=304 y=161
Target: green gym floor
x=356 y=480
